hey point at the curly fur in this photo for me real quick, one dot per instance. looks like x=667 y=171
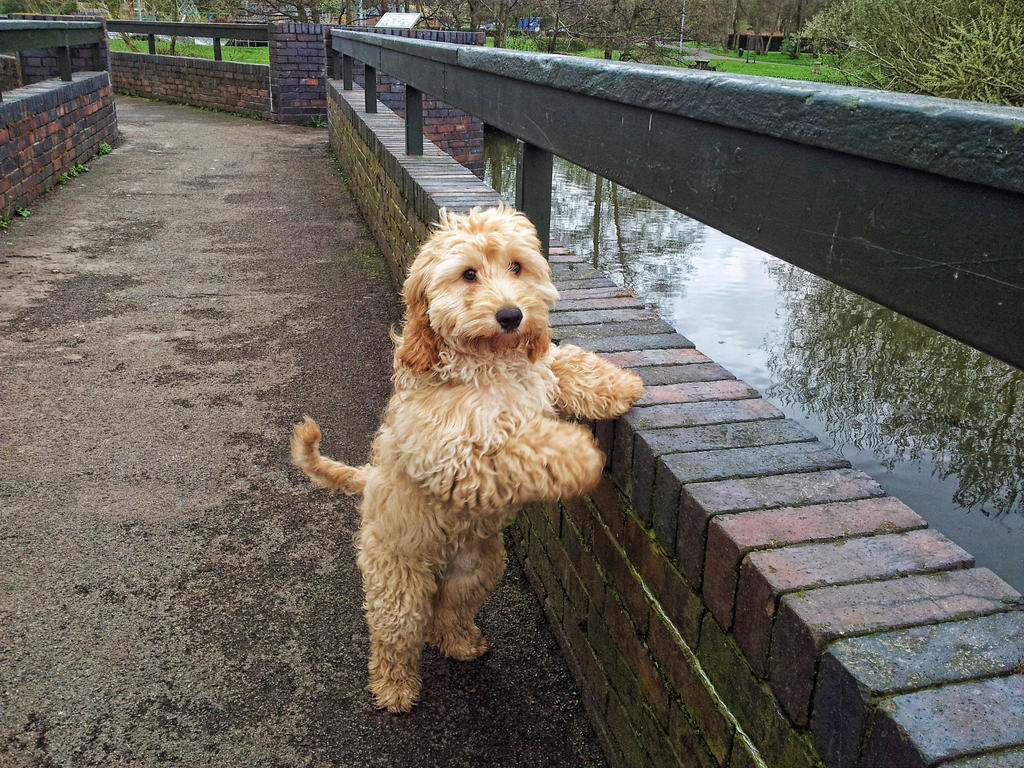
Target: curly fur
x=471 y=432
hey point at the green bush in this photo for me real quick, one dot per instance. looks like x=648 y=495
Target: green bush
x=790 y=48
x=961 y=49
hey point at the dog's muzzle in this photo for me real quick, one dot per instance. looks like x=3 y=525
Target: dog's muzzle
x=509 y=318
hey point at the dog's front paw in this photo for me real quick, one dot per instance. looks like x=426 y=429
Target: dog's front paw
x=396 y=695
x=627 y=390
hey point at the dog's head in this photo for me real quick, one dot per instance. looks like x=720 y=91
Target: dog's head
x=479 y=285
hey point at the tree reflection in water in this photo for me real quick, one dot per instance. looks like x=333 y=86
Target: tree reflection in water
x=625 y=235
x=877 y=381
x=882 y=382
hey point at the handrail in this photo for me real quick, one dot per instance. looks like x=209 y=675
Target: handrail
x=232 y=31
x=912 y=201
x=27 y=35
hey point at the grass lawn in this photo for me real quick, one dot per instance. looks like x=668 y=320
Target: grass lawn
x=771 y=65
x=243 y=53
x=787 y=71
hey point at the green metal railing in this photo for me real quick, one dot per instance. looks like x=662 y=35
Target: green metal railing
x=914 y=202
x=257 y=33
x=24 y=35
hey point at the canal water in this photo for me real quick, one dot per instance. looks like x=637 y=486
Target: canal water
x=936 y=423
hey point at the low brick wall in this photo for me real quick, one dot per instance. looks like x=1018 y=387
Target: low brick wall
x=733 y=594
x=293 y=88
x=227 y=85
x=399 y=198
x=47 y=128
x=10 y=73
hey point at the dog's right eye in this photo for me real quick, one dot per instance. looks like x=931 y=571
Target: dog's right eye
x=469 y=275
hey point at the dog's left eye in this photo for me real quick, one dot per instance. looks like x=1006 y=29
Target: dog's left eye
x=515 y=267
x=469 y=275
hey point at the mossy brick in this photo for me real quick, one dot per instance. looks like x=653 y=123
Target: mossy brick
x=657 y=357
x=696 y=391
x=589 y=333
x=721 y=464
x=574 y=271
x=594 y=682
x=686 y=740
x=609 y=504
x=929 y=727
x=744 y=754
x=751 y=701
x=604 y=433
x=682 y=670
x=629 y=587
x=620 y=676
x=565 y=286
x=661 y=749
x=807 y=621
x=594 y=316
x=767 y=575
x=633 y=652
x=597 y=303
x=854 y=673
x=1010 y=758
x=731 y=537
x=701 y=501
x=628 y=341
x=700 y=413
x=577 y=599
x=611 y=290
x=647 y=446
x=664 y=375
x=624 y=737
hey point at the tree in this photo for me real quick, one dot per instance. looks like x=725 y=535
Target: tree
x=961 y=49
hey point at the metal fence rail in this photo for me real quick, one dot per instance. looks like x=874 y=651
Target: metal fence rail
x=911 y=201
x=25 y=35
x=257 y=33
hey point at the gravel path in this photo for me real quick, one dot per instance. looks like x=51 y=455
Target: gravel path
x=171 y=591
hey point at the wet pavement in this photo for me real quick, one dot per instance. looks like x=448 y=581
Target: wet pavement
x=172 y=592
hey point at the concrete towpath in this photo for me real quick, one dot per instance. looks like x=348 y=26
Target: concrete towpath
x=172 y=592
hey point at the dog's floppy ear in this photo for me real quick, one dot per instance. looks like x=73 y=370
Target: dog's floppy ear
x=420 y=349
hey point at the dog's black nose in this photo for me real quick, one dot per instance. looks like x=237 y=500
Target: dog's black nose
x=509 y=318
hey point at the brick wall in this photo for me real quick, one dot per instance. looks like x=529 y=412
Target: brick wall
x=298 y=71
x=733 y=594
x=48 y=127
x=10 y=73
x=43 y=64
x=228 y=85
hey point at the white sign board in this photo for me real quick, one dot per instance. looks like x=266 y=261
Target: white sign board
x=399 y=20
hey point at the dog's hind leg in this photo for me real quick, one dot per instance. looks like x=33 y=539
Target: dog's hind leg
x=398 y=595
x=472 y=574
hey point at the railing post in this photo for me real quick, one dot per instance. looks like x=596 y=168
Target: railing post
x=413 y=121
x=98 y=63
x=335 y=64
x=152 y=43
x=64 y=62
x=216 y=49
x=533 y=188
x=346 y=72
x=370 y=89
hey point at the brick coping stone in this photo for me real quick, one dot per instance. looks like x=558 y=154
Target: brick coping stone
x=836 y=594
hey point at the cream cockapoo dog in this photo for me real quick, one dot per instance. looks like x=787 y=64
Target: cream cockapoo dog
x=472 y=431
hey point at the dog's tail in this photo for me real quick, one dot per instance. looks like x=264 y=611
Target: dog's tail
x=322 y=470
